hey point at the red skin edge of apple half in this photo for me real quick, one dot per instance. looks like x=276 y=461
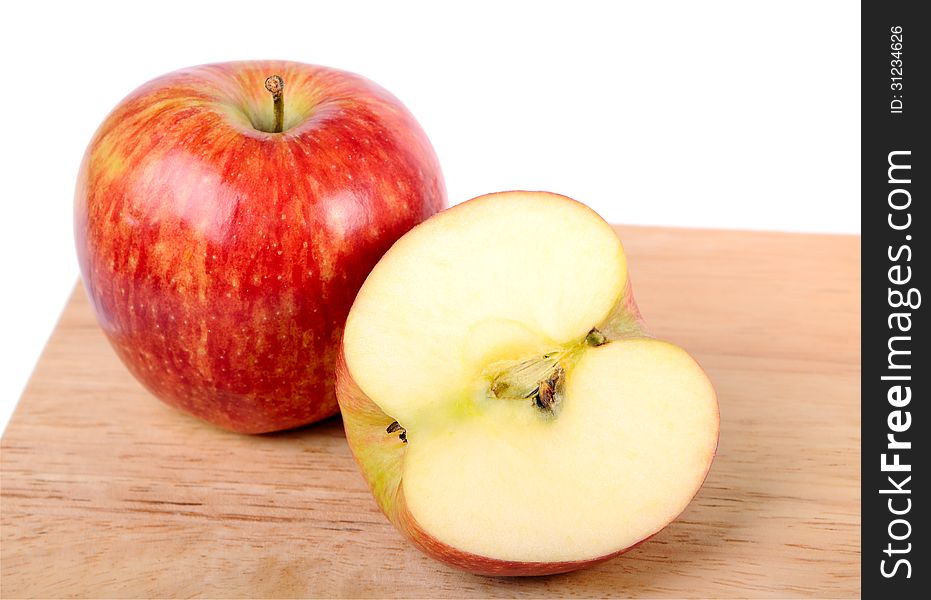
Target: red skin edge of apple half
x=353 y=401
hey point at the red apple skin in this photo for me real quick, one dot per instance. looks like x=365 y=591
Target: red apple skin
x=220 y=260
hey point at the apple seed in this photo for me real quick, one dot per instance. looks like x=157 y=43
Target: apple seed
x=549 y=394
x=395 y=426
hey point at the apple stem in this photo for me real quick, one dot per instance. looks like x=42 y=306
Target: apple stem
x=275 y=85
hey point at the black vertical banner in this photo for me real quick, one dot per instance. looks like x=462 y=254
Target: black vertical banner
x=895 y=266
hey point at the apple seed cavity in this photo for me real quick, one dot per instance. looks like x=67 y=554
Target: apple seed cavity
x=539 y=379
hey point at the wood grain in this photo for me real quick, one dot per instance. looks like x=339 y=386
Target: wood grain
x=106 y=492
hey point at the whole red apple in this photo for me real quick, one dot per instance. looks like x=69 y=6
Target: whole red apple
x=225 y=217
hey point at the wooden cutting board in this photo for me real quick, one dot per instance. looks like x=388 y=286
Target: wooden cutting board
x=107 y=492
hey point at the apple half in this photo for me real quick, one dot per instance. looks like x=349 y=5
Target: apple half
x=503 y=400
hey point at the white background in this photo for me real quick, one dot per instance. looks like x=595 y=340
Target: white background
x=695 y=114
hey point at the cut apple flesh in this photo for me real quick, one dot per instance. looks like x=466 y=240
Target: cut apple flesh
x=626 y=453
x=533 y=420
x=492 y=280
